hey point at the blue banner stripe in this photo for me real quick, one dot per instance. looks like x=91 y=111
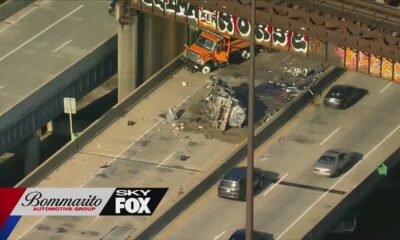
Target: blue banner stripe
x=8 y=226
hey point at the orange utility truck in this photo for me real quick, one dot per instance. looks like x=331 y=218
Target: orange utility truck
x=212 y=50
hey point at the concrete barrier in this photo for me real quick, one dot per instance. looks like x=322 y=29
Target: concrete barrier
x=99 y=125
x=12 y=6
x=262 y=133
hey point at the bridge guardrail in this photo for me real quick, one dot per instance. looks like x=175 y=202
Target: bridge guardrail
x=262 y=133
x=99 y=125
x=10 y=7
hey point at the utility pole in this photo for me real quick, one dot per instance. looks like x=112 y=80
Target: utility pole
x=250 y=145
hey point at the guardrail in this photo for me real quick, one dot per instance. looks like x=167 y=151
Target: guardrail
x=12 y=6
x=262 y=133
x=99 y=125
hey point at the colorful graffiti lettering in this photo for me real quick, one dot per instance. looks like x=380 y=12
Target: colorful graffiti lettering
x=279 y=36
x=226 y=23
x=387 y=68
x=207 y=19
x=396 y=74
x=262 y=33
x=298 y=42
x=375 y=65
x=363 y=62
x=243 y=26
x=351 y=58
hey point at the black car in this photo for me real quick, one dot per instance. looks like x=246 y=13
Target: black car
x=233 y=185
x=341 y=96
x=240 y=234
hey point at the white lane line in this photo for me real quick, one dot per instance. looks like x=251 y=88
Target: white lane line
x=130 y=145
x=117 y=158
x=383 y=89
x=124 y=150
x=40 y=33
x=165 y=159
x=330 y=135
x=264 y=158
x=276 y=184
x=30 y=228
x=381 y=142
x=62 y=45
x=219 y=235
x=334 y=185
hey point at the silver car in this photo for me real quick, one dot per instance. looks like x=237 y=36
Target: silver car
x=332 y=162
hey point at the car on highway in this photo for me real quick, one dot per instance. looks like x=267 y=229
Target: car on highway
x=332 y=162
x=240 y=234
x=341 y=96
x=233 y=184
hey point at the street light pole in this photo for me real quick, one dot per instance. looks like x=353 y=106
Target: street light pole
x=250 y=145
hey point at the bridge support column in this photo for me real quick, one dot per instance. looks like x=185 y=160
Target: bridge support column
x=29 y=153
x=127 y=50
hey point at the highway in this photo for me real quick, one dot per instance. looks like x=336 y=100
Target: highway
x=148 y=154
x=46 y=39
x=292 y=204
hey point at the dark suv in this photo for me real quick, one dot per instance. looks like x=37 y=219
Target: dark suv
x=233 y=185
x=341 y=96
x=240 y=234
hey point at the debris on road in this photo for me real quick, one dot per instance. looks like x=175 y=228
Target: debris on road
x=184 y=157
x=131 y=123
x=185 y=84
x=171 y=115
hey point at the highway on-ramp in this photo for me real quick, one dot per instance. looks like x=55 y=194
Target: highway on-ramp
x=294 y=202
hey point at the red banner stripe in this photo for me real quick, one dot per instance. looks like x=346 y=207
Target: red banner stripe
x=9 y=197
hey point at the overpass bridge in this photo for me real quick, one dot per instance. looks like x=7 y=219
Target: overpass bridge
x=357 y=35
x=112 y=153
x=51 y=50
x=118 y=163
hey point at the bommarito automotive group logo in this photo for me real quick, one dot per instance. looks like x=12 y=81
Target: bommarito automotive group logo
x=88 y=201
x=17 y=202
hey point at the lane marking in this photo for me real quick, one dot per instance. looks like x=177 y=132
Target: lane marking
x=124 y=150
x=30 y=228
x=264 y=158
x=40 y=33
x=219 y=235
x=383 y=89
x=131 y=144
x=381 y=142
x=329 y=136
x=62 y=45
x=334 y=185
x=165 y=159
x=116 y=157
x=276 y=184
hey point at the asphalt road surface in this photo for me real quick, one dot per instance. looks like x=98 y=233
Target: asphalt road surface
x=289 y=206
x=148 y=154
x=45 y=39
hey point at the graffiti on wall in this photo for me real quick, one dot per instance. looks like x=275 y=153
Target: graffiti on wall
x=351 y=59
x=396 y=71
x=387 y=68
x=274 y=37
x=363 y=62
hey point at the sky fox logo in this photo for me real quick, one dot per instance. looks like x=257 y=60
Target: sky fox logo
x=134 y=201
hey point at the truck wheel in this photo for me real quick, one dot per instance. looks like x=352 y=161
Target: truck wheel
x=245 y=54
x=206 y=69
